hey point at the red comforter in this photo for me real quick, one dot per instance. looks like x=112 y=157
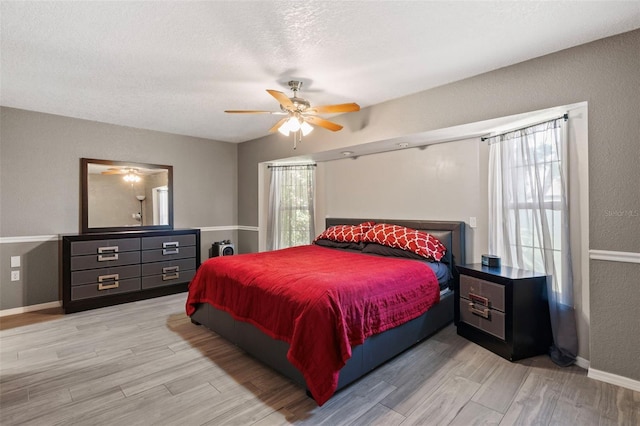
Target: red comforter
x=319 y=300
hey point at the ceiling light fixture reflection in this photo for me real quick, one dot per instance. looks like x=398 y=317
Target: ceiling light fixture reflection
x=131 y=177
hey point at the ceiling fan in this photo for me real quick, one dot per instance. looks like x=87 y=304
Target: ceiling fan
x=130 y=174
x=299 y=114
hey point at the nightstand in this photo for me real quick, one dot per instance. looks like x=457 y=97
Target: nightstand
x=504 y=310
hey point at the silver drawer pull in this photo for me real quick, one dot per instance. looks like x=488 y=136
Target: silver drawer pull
x=104 y=258
x=107 y=253
x=170 y=247
x=113 y=278
x=112 y=249
x=174 y=276
x=108 y=286
x=168 y=269
x=479 y=299
x=483 y=312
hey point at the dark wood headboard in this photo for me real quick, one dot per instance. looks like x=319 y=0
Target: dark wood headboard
x=450 y=233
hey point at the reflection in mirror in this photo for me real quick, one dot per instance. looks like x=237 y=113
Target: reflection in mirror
x=124 y=196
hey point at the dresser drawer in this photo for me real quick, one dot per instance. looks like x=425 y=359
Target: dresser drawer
x=168 y=254
x=168 y=241
x=104 y=247
x=483 y=292
x=485 y=319
x=169 y=278
x=93 y=276
x=158 y=268
x=88 y=291
x=100 y=261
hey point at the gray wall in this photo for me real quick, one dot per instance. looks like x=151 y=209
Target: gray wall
x=446 y=181
x=605 y=74
x=40 y=188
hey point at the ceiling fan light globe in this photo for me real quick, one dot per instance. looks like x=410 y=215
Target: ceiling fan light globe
x=293 y=124
x=306 y=128
x=284 y=129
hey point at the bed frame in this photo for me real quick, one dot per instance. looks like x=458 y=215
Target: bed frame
x=377 y=349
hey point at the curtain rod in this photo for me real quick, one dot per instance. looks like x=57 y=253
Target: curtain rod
x=285 y=166
x=565 y=116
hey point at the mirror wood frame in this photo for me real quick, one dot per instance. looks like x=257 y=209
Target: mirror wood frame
x=84 y=184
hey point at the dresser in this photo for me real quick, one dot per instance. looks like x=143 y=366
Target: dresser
x=504 y=310
x=105 y=269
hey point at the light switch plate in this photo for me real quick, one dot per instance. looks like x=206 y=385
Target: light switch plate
x=472 y=222
x=15 y=261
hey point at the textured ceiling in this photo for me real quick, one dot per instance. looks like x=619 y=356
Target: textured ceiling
x=176 y=66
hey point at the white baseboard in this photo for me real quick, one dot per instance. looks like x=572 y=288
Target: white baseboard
x=582 y=363
x=31 y=308
x=614 y=379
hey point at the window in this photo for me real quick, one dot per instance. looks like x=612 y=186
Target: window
x=291 y=206
x=528 y=201
x=528 y=219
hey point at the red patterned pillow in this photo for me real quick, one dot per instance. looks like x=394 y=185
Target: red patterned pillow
x=345 y=233
x=418 y=242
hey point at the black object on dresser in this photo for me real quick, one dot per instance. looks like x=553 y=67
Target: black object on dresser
x=504 y=310
x=105 y=269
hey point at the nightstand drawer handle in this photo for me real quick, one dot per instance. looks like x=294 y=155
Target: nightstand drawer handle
x=483 y=312
x=479 y=299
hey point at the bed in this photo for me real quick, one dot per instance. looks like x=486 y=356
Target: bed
x=324 y=362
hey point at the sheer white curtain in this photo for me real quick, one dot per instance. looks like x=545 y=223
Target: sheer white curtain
x=291 y=206
x=529 y=219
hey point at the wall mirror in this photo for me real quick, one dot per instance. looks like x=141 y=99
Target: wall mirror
x=125 y=196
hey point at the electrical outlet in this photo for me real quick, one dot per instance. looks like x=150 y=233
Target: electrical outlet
x=472 y=222
x=15 y=275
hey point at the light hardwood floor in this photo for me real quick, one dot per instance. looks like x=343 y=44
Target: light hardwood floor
x=144 y=363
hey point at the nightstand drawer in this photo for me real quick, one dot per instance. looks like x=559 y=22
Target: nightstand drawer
x=482 y=292
x=488 y=320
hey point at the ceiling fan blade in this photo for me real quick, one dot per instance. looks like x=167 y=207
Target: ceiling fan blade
x=330 y=109
x=113 y=171
x=278 y=124
x=329 y=125
x=247 y=111
x=283 y=99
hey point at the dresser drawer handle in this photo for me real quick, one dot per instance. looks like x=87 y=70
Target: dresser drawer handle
x=483 y=312
x=113 y=278
x=170 y=273
x=479 y=299
x=112 y=249
x=170 y=248
x=174 y=276
x=107 y=253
